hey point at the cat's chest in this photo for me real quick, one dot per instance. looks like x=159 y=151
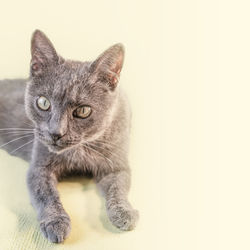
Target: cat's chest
x=84 y=159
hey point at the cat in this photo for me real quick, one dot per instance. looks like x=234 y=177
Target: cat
x=71 y=116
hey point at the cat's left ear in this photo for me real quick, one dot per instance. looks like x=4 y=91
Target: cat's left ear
x=109 y=64
x=43 y=53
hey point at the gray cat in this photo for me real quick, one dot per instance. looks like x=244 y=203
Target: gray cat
x=79 y=122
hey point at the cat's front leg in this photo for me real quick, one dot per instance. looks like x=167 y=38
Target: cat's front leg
x=54 y=221
x=114 y=187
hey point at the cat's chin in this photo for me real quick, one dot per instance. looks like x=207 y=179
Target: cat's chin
x=57 y=149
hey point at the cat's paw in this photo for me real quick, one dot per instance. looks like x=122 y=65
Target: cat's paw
x=123 y=217
x=56 y=229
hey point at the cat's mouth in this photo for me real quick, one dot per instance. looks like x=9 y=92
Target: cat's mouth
x=56 y=147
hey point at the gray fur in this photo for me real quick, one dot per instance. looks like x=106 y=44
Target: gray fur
x=97 y=144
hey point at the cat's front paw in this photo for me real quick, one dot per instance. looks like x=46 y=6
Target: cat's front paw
x=56 y=229
x=123 y=217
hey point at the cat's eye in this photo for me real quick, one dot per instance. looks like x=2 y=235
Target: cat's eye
x=82 y=112
x=43 y=103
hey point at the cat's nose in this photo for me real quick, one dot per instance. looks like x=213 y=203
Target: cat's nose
x=56 y=136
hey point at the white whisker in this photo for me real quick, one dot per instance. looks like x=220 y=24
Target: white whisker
x=21 y=146
x=112 y=145
x=99 y=154
x=15 y=140
x=29 y=124
x=15 y=133
x=116 y=156
x=16 y=129
x=106 y=142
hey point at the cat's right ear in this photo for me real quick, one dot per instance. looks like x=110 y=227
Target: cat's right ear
x=43 y=53
x=108 y=65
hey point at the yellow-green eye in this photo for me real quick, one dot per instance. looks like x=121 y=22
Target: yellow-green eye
x=82 y=112
x=43 y=103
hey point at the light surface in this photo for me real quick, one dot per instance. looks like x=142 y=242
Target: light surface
x=187 y=75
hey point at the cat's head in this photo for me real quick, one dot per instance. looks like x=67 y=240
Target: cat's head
x=71 y=102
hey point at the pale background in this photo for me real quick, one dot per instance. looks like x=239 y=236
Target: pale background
x=187 y=76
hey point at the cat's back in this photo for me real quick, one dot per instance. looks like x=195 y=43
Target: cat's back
x=12 y=88
x=12 y=102
x=13 y=118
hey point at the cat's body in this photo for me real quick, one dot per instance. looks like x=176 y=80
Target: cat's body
x=12 y=115
x=80 y=121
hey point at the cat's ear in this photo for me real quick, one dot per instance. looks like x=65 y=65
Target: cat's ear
x=43 y=53
x=108 y=65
